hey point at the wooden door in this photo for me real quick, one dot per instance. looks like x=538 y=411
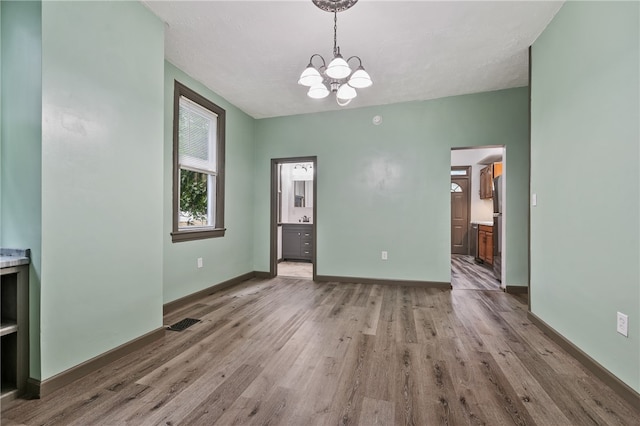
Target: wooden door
x=460 y=203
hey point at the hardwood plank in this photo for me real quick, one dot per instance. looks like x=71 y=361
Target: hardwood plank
x=373 y=305
x=295 y=352
x=502 y=391
x=114 y=410
x=241 y=412
x=466 y=274
x=274 y=408
x=410 y=400
x=347 y=400
x=442 y=403
x=272 y=374
x=213 y=406
x=376 y=412
x=540 y=406
x=577 y=410
x=318 y=393
x=464 y=381
x=251 y=411
x=406 y=321
x=425 y=328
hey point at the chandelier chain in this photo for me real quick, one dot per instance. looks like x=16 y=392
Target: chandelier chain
x=335 y=32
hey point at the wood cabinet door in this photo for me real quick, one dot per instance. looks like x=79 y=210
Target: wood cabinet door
x=485 y=245
x=486 y=182
x=488 y=249
x=483 y=183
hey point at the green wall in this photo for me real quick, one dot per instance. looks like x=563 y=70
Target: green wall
x=86 y=169
x=584 y=154
x=229 y=256
x=387 y=187
x=20 y=146
x=102 y=174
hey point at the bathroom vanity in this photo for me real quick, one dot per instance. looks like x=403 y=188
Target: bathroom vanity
x=297 y=241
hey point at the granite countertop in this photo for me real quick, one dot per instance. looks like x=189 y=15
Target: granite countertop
x=14 y=257
x=483 y=222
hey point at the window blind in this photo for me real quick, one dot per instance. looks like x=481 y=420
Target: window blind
x=197 y=137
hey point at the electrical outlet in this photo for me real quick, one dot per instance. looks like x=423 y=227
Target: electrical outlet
x=623 y=324
x=534 y=200
x=199 y=262
x=385 y=255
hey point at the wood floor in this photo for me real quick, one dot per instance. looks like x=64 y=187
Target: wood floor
x=294 y=352
x=466 y=274
x=295 y=269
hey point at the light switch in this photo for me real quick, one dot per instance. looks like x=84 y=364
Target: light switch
x=534 y=200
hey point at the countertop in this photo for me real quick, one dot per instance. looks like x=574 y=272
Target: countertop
x=295 y=223
x=14 y=257
x=480 y=222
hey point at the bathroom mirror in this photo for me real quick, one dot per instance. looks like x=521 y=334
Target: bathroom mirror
x=302 y=193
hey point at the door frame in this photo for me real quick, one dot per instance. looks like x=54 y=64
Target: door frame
x=468 y=169
x=273 y=223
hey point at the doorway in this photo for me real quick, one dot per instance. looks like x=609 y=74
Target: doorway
x=475 y=260
x=293 y=217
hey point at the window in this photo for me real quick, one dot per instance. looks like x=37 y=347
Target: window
x=455 y=187
x=198 y=166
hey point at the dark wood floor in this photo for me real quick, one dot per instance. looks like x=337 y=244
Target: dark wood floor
x=294 y=352
x=467 y=274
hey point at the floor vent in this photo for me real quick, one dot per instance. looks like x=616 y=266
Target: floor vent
x=181 y=325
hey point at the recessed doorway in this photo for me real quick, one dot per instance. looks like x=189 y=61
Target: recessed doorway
x=477 y=237
x=293 y=217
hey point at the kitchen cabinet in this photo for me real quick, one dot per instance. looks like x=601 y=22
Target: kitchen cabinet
x=297 y=242
x=473 y=240
x=14 y=325
x=485 y=244
x=486 y=179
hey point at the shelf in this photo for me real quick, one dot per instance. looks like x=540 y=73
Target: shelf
x=14 y=331
x=8 y=327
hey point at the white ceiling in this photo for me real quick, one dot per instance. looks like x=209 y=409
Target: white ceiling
x=252 y=52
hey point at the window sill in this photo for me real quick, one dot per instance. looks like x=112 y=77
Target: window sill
x=197 y=234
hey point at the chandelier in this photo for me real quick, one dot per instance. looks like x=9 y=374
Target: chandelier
x=337 y=77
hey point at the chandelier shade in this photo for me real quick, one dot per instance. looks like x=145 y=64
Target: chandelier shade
x=310 y=76
x=338 y=77
x=346 y=92
x=338 y=68
x=360 y=79
x=318 y=91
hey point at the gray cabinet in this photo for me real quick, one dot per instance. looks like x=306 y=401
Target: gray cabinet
x=297 y=241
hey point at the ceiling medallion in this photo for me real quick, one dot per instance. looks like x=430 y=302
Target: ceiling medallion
x=337 y=77
x=334 y=5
